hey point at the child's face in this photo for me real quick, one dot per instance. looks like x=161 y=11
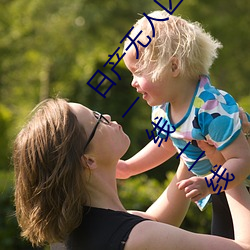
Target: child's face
x=152 y=92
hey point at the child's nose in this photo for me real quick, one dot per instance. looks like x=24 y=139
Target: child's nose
x=134 y=83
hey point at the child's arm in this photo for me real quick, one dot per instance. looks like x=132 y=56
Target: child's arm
x=235 y=158
x=171 y=207
x=149 y=157
x=196 y=187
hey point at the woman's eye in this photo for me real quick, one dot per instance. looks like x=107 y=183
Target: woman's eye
x=107 y=123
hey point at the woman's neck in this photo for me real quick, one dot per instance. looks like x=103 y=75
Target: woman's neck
x=102 y=189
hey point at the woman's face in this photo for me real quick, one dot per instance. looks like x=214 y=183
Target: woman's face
x=109 y=140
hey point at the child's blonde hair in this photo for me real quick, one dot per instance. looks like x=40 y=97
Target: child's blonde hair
x=194 y=48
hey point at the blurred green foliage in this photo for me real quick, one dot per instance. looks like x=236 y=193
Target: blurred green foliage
x=9 y=231
x=50 y=48
x=138 y=193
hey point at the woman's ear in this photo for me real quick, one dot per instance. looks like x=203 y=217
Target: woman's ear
x=175 y=66
x=89 y=161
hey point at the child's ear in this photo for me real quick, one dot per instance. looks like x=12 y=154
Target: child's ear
x=175 y=66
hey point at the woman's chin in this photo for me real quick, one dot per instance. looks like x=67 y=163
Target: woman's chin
x=126 y=146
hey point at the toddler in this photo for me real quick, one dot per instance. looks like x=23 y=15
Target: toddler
x=172 y=74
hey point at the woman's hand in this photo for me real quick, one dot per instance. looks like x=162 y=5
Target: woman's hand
x=245 y=124
x=214 y=156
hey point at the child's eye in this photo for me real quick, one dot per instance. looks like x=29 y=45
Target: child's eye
x=138 y=74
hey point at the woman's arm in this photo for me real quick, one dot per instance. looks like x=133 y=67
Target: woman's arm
x=239 y=203
x=214 y=156
x=159 y=236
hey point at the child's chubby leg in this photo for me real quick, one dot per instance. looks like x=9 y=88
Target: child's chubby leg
x=171 y=207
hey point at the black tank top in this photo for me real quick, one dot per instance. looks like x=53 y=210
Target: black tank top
x=102 y=229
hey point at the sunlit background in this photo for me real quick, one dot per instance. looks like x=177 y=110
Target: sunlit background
x=52 y=48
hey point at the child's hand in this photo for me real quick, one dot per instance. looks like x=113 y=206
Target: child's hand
x=122 y=170
x=194 y=187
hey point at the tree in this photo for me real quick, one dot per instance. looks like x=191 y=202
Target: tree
x=50 y=48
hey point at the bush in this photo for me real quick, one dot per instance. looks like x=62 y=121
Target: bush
x=9 y=231
x=5 y=124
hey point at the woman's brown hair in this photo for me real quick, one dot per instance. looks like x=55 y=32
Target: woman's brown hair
x=49 y=182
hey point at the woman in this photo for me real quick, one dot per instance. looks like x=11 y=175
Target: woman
x=65 y=166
